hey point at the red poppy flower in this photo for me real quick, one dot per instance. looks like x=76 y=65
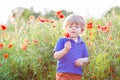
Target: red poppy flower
x=47 y=20
x=105 y=29
x=89 y=25
x=67 y=35
x=3 y=27
x=36 y=41
x=10 y=46
x=1 y=45
x=5 y=55
x=42 y=20
x=99 y=26
x=24 y=47
x=60 y=14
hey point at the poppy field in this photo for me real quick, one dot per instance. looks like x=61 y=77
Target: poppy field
x=26 y=51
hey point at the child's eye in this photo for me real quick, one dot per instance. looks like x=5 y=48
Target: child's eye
x=77 y=26
x=77 y=23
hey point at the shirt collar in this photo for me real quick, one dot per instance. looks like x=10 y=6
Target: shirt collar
x=79 y=40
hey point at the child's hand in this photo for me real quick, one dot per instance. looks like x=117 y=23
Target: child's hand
x=67 y=45
x=79 y=62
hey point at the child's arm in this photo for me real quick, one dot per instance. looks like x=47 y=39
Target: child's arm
x=61 y=53
x=81 y=61
x=85 y=60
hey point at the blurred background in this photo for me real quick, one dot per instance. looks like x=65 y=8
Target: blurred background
x=86 y=8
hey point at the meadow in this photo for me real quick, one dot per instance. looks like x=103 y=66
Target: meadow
x=26 y=51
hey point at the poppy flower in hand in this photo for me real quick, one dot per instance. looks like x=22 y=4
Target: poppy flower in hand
x=66 y=34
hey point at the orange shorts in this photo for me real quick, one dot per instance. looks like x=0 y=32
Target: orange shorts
x=67 y=76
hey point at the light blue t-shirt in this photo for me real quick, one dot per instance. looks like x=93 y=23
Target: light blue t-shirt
x=67 y=63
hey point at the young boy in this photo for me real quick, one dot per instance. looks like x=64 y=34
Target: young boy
x=71 y=52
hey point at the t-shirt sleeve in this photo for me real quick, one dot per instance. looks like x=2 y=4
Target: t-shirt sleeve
x=59 y=45
x=85 y=53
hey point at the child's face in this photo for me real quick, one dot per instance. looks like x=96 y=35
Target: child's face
x=74 y=29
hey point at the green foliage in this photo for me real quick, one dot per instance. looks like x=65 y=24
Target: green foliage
x=26 y=14
x=113 y=12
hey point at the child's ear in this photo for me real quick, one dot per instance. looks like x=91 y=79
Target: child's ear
x=82 y=31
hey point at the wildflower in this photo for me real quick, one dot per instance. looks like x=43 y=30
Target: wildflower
x=108 y=30
x=90 y=44
x=52 y=21
x=99 y=27
x=35 y=41
x=42 y=20
x=31 y=17
x=53 y=26
x=26 y=42
x=105 y=29
x=89 y=25
x=5 y=55
x=24 y=47
x=10 y=46
x=60 y=14
x=67 y=35
x=3 y=27
x=1 y=45
x=47 y=20
x=91 y=34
